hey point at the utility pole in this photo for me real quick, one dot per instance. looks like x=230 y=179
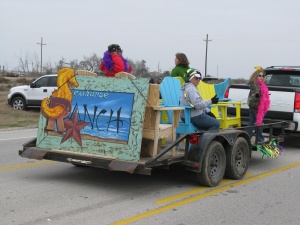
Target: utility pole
x=206 y=40
x=158 y=70
x=41 y=54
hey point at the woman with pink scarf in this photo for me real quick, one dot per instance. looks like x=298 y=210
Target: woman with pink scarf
x=258 y=101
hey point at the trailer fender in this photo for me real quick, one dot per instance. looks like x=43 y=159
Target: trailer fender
x=32 y=153
x=226 y=137
x=124 y=166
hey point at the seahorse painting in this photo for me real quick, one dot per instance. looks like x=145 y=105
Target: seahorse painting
x=58 y=106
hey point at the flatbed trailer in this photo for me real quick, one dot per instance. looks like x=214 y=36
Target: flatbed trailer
x=211 y=155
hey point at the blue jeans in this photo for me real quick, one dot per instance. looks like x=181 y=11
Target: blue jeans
x=252 y=120
x=205 y=122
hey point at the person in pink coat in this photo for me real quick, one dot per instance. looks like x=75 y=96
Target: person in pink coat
x=113 y=61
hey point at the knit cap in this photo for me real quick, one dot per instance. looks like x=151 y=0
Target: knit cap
x=191 y=73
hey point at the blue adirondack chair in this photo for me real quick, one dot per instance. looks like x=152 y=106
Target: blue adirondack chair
x=170 y=90
x=221 y=89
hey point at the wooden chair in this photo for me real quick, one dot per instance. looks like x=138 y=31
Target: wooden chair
x=153 y=129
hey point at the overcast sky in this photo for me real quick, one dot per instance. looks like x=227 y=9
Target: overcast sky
x=243 y=34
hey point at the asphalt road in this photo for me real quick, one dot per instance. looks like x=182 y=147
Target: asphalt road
x=44 y=192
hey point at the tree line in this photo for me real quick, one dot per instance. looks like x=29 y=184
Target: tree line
x=30 y=64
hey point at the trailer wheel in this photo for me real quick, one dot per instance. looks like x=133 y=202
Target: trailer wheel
x=213 y=165
x=237 y=159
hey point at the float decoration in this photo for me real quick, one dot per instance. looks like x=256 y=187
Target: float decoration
x=271 y=149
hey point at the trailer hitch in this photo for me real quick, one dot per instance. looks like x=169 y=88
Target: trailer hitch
x=70 y=160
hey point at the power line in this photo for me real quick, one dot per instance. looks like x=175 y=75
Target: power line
x=41 y=54
x=206 y=40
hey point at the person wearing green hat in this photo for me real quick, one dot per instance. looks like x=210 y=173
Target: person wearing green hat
x=201 y=116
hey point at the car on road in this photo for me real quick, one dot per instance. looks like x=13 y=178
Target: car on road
x=21 y=97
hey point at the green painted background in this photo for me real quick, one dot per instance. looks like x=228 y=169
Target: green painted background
x=128 y=152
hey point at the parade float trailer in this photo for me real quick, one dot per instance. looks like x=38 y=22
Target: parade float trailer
x=115 y=123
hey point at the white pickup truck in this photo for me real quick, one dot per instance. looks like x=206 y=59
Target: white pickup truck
x=284 y=88
x=21 y=97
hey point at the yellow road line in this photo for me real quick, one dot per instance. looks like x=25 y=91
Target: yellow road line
x=24 y=166
x=202 y=195
x=186 y=193
x=193 y=191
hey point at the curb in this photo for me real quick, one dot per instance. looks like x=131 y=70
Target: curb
x=18 y=128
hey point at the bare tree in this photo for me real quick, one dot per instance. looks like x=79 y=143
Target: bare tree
x=60 y=64
x=139 y=68
x=74 y=64
x=48 y=68
x=90 y=63
x=23 y=63
x=28 y=64
x=133 y=66
x=35 y=63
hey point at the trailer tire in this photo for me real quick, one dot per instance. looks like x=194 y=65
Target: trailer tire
x=213 y=165
x=237 y=159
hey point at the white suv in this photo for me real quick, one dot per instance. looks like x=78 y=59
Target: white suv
x=24 y=96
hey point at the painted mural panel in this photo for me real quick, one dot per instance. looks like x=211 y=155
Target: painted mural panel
x=109 y=117
x=94 y=115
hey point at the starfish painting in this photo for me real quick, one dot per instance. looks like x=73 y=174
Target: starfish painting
x=73 y=128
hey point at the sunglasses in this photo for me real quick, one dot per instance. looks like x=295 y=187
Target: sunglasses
x=259 y=75
x=197 y=78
